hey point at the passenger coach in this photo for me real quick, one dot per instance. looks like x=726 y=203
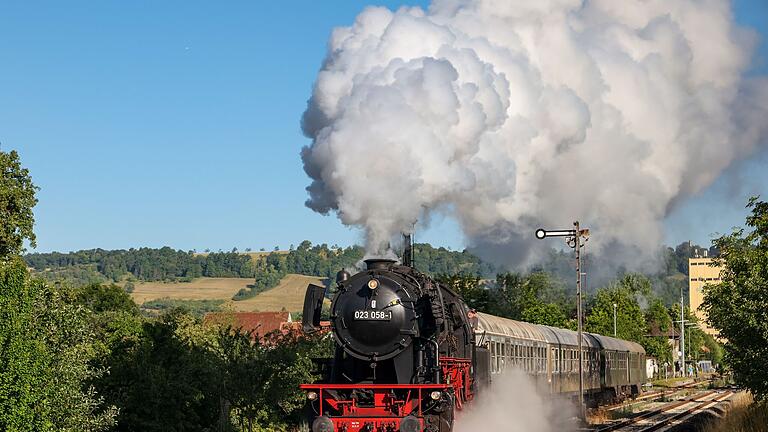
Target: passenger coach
x=613 y=368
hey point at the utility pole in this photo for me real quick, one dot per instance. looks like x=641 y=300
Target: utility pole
x=614 y=319
x=682 y=332
x=575 y=239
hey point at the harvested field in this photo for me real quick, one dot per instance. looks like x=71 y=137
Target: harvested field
x=289 y=294
x=199 y=289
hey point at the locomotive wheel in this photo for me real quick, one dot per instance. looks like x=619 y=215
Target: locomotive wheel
x=438 y=424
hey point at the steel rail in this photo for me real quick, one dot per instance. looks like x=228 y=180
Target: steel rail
x=653 y=413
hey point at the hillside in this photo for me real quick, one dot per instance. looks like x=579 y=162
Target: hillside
x=288 y=294
x=198 y=289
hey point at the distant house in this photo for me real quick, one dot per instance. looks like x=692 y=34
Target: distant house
x=259 y=323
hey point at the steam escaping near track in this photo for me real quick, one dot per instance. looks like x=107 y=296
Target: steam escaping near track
x=515 y=115
x=514 y=405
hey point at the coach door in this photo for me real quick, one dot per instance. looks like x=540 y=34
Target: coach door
x=603 y=368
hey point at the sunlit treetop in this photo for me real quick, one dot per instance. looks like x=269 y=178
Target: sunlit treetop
x=17 y=198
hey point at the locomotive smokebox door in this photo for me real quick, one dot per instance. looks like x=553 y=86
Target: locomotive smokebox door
x=313 y=307
x=373 y=315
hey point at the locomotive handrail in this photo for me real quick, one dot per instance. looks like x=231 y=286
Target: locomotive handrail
x=437 y=358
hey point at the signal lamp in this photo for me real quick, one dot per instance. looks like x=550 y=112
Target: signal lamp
x=373 y=284
x=541 y=234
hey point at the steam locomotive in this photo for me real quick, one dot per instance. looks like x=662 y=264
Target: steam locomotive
x=410 y=354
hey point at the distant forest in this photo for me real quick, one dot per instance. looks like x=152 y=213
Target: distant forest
x=167 y=264
x=145 y=264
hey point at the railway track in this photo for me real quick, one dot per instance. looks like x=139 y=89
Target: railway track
x=669 y=415
x=657 y=395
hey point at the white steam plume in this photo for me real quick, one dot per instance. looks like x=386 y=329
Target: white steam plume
x=514 y=115
x=513 y=403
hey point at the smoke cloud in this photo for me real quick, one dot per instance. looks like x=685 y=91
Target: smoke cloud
x=509 y=116
x=514 y=404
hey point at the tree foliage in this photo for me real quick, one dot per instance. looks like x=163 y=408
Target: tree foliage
x=147 y=264
x=17 y=199
x=261 y=379
x=102 y=297
x=436 y=261
x=46 y=349
x=535 y=298
x=738 y=306
x=624 y=293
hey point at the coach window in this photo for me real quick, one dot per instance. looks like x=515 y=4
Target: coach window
x=529 y=358
x=538 y=359
x=500 y=356
x=493 y=356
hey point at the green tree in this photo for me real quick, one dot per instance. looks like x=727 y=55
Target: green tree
x=17 y=198
x=262 y=377
x=535 y=298
x=469 y=288
x=46 y=348
x=102 y=297
x=631 y=324
x=548 y=314
x=660 y=323
x=738 y=306
x=163 y=375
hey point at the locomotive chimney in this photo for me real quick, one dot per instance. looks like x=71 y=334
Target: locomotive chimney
x=379 y=263
x=342 y=276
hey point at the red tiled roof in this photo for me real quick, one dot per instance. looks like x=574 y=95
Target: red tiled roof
x=260 y=323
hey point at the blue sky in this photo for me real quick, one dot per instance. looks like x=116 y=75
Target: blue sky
x=177 y=123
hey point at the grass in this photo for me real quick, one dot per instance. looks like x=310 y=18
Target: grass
x=745 y=416
x=287 y=295
x=672 y=382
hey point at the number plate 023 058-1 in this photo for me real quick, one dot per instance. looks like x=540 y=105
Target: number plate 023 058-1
x=373 y=315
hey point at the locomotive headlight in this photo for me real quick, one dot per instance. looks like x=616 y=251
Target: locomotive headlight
x=312 y=396
x=435 y=395
x=373 y=284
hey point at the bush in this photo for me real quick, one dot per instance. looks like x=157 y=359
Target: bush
x=196 y=308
